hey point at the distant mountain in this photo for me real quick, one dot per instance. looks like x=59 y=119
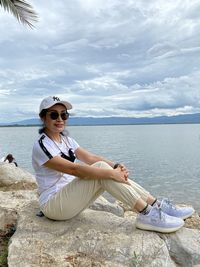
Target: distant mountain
x=187 y=118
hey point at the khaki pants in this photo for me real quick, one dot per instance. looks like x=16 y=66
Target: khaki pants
x=80 y=193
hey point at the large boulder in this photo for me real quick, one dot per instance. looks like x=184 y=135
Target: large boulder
x=93 y=238
x=15 y=178
x=184 y=247
x=98 y=238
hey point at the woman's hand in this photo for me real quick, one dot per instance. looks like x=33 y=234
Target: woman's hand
x=121 y=174
x=123 y=168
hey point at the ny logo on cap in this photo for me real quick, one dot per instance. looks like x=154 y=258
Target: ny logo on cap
x=55 y=98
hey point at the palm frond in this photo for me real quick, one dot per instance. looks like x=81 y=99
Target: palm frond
x=22 y=10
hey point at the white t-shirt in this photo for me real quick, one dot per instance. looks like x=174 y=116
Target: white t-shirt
x=50 y=181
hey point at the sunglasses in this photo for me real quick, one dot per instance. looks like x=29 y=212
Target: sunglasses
x=54 y=115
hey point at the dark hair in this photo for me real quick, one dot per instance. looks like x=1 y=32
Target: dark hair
x=42 y=115
x=9 y=157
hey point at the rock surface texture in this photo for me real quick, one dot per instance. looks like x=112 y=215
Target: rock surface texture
x=14 y=178
x=102 y=235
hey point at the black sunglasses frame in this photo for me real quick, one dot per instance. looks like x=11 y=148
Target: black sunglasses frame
x=54 y=115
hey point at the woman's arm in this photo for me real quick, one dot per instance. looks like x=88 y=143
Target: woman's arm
x=89 y=158
x=86 y=171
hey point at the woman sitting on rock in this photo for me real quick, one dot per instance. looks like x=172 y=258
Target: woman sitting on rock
x=67 y=187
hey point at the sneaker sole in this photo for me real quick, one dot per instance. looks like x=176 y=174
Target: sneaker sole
x=157 y=229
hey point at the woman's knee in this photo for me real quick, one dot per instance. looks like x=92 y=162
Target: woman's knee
x=102 y=164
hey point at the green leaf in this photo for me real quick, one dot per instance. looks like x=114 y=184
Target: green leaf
x=22 y=10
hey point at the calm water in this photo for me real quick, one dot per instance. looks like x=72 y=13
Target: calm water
x=165 y=159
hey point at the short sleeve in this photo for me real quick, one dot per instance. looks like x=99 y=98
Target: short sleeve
x=43 y=151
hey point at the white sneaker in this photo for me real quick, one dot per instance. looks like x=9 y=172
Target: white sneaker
x=157 y=220
x=172 y=210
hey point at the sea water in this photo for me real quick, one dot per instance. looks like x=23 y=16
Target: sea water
x=165 y=159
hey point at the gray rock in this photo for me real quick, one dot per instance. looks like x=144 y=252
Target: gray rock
x=184 y=246
x=11 y=203
x=8 y=217
x=15 y=178
x=93 y=238
x=102 y=204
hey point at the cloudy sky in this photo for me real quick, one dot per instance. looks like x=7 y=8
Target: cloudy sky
x=108 y=58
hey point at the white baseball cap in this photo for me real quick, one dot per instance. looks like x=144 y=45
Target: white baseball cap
x=51 y=101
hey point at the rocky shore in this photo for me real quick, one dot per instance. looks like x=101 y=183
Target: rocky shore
x=102 y=235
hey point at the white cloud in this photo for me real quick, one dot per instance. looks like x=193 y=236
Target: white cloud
x=129 y=58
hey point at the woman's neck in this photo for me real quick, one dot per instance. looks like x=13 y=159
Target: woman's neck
x=53 y=136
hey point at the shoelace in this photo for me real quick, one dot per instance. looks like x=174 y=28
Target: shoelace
x=170 y=204
x=161 y=214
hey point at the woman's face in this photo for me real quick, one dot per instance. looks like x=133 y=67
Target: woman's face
x=52 y=124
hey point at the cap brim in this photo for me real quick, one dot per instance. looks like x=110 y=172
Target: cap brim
x=66 y=104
